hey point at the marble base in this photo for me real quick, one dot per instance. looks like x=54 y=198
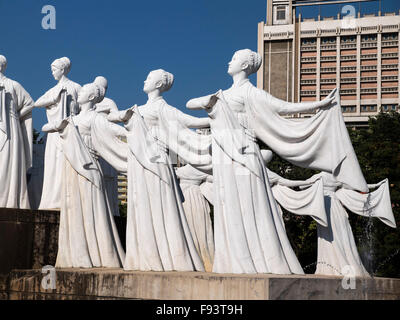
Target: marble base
x=100 y=284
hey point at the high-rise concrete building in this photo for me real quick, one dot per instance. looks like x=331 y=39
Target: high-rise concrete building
x=304 y=59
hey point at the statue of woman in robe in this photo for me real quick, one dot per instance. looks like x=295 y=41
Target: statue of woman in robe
x=158 y=235
x=104 y=106
x=88 y=236
x=197 y=211
x=249 y=234
x=15 y=141
x=337 y=250
x=60 y=102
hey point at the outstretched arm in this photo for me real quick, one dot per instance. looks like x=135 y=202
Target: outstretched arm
x=193 y=122
x=121 y=116
x=284 y=107
x=48 y=100
x=206 y=102
x=57 y=126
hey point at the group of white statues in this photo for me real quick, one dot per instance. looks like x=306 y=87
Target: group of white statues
x=169 y=227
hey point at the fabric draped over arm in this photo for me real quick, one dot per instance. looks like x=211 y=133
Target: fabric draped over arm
x=106 y=142
x=192 y=147
x=320 y=142
x=307 y=202
x=77 y=154
x=22 y=103
x=375 y=204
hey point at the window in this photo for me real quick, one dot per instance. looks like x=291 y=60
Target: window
x=389 y=36
x=372 y=108
x=280 y=13
x=385 y=107
x=364 y=108
x=394 y=107
x=328 y=40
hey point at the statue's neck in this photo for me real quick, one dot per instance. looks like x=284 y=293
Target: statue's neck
x=239 y=78
x=85 y=108
x=153 y=96
x=63 y=79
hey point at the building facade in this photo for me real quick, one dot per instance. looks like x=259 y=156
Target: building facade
x=304 y=59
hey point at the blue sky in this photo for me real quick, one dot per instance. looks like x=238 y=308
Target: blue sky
x=124 y=40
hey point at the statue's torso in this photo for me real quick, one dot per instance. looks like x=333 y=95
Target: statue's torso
x=236 y=99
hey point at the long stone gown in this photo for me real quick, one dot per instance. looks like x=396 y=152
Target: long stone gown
x=197 y=210
x=249 y=233
x=88 y=236
x=110 y=174
x=158 y=235
x=15 y=144
x=337 y=249
x=53 y=159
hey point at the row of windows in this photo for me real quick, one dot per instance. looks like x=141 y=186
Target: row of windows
x=370 y=108
x=349 y=39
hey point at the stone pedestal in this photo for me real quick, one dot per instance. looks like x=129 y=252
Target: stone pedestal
x=28 y=239
x=100 y=284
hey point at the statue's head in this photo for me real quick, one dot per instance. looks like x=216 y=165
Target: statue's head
x=60 y=67
x=3 y=63
x=90 y=92
x=103 y=84
x=244 y=61
x=158 y=80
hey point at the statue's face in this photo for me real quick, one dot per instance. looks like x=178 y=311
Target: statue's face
x=152 y=82
x=237 y=64
x=57 y=73
x=85 y=95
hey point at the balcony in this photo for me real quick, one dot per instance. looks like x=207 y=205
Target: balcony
x=348 y=80
x=390 y=66
x=308 y=70
x=368 y=68
x=308 y=48
x=328 y=70
x=368 y=79
x=307 y=93
x=348 y=45
x=328 y=47
x=389 y=78
x=348 y=91
x=308 y=81
x=348 y=69
x=372 y=44
x=390 y=55
x=328 y=58
x=368 y=90
x=368 y=56
x=328 y=81
x=390 y=43
x=390 y=89
x=309 y=59
x=348 y=57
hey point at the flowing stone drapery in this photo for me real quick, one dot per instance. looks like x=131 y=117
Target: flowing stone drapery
x=158 y=235
x=88 y=236
x=16 y=137
x=197 y=211
x=59 y=109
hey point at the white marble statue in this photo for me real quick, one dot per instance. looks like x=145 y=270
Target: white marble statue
x=16 y=138
x=105 y=106
x=88 y=236
x=306 y=202
x=197 y=211
x=60 y=102
x=337 y=250
x=249 y=234
x=158 y=235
